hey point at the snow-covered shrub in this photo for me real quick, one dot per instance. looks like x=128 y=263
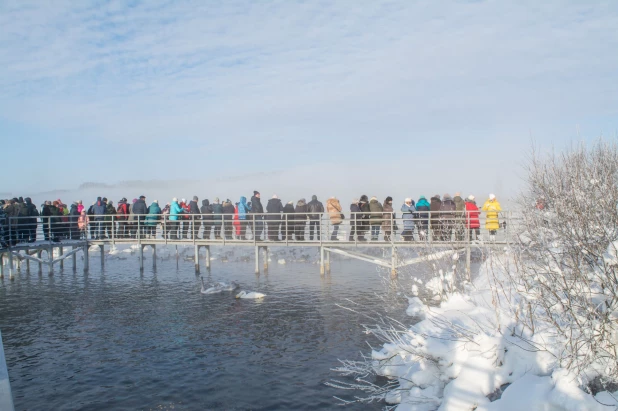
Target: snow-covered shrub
x=566 y=263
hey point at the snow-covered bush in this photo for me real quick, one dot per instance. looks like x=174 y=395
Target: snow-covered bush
x=566 y=264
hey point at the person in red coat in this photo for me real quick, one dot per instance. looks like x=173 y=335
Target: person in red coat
x=186 y=218
x=472 y=218
x=236 y=223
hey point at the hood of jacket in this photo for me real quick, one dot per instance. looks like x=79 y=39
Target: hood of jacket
x=205 y=203
x=301 y=202
x=422 y=202
x=243 y=201
x=274 y=201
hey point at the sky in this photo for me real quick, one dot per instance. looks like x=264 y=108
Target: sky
x=294 y=98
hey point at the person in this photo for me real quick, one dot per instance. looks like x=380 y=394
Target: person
x=434 y=217
x=315 y=209
x=33 y=213
x=258 y=215
x=23 y=221
x=287 y=227
x=228 y=215
x=165 y=213
x=217 y=212
x=388 y=219
x=132 y=222
x=473 y=223
x=110 y=219
x=46 y=220
x=366 y=213
x=152 y=219
x=408 y=210
x=333 y=207
x=422 y=215
x=237 y=224
x=75 y=232
x=207 y=219
x=184 y=219
x=243 y=210
x=447 y=217
x=56 y=221
x=354 y=221
x=274 y=208
x=459 y=223
x=122 y=215
x=492 y=208
x=375 y=218
x=174 y=223
x=82 y=224
x=92 y=225
x=300 y=220
x=99 y=217
x=194 y=210
x=140 y=210
x=80 y=207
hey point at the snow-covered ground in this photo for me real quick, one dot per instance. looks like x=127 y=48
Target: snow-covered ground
x=470 y=354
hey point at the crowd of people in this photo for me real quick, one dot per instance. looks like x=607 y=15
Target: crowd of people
x=445 y=218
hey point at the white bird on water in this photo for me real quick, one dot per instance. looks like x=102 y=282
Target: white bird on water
x=251 y=294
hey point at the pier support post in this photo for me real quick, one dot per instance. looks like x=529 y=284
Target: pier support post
x=39 y=255
x=141 y=258
x=1 y=265
x=207 y=257
x=102 y=248
x=257 y=260
x=74 y=258
x=10 y=265
x=327 y=262
x=50 y=259
x=393 y=263
x=27 y=264
x=154 y=256
x=60 y=253
x=197 y=259
x=86 y=258
x=265 y=249
x=321 y=260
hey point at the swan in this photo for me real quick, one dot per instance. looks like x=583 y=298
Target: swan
x=218 y=287
x=251 y=294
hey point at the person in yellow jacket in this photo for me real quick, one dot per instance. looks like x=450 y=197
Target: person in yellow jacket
x=492 y=208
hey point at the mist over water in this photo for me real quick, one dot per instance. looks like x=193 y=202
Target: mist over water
x=116 y=339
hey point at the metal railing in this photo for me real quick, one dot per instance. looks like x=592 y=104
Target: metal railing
x=383 y=227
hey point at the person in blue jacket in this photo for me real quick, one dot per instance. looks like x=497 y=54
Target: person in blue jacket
x=152 y=219
x=408 y=211
x=175 y=212
x=422 y=220
x=243 y=210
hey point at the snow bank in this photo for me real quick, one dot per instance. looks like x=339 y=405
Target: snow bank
x=466 y=351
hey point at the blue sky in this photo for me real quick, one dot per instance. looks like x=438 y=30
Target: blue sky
x=378 y=97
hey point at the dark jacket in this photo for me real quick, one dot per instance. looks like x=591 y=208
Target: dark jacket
x=300 y=212
x=32 y=211
x=109 y=212
x=288 y=209
x=194 y=208
x=376 y=209
x=275 y=208
x=354 y=208
x=217 y=210
x=315 y=208
x=256 y=206
x=140 y=208
x=448 y=208
x=207 y=210
x=228 y=210
x=436 y=205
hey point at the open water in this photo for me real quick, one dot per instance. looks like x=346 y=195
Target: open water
x=118 y=339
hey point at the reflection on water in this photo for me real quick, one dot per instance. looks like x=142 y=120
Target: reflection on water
x=120 y=340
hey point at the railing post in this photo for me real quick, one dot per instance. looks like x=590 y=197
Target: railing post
x=254 y=236
x=429 y=228
x=165 y=228
x=113 y=230
x=468 y=251
x=287 y=232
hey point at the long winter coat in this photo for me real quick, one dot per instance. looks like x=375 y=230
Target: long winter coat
x=376 y=212
x=333 y=207
x=387 y=224
x=300 y=217
x=256 y=207
x=492 y=208
x=448 y=209
x=139 y=208
x=460 y=206
x=206 y=209
x=217 y=211
x=472 y=215
x=82 y=221
x=175 y=211
x=227 y=209
x=435 y=206
x=288 y=213
x=274 y=208
x=408 y=216
x=153 y=215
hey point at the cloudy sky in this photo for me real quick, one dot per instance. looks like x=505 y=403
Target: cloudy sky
x=346 y=97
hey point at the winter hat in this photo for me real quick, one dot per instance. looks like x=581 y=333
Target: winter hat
x=407 y=200
x=134 y=200
x=314 y=198
x=374 y=198
x=142 y=196
x=275 y=196
x=156 y=201
x=471 y=197
x=104 y=198
x=194 y=198
x=111 y=202
x=255 y=192
x=422 y=198
x=183 y=201
x=447 y=195
x=79 y=201
x=175 y=199
x=437 y=196
x=98 y=199
x=216 y=199
x=291 y=202
x=492 y=197
x=389 y=199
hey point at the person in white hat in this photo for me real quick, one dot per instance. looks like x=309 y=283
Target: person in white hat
x=492 y=208
x=473 y=223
